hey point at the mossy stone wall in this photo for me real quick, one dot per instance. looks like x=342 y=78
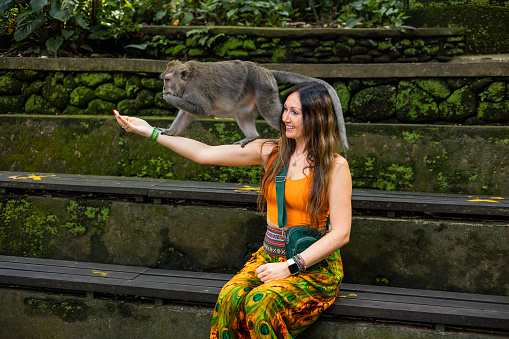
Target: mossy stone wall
x=299 y=45
x=422 y=158
x=468 y=100
x=486 y=23
x=411 y=253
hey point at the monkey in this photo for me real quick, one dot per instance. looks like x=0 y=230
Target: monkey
x=232 y=89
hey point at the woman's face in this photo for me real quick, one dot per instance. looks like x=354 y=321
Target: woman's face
x=292 y=117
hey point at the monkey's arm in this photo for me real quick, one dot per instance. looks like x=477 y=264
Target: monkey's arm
x=199 y=109
x=253 y=153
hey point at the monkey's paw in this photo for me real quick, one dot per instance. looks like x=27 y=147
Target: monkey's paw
x=244 y=142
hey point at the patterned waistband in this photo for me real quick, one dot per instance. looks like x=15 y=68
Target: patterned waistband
x=274 y=242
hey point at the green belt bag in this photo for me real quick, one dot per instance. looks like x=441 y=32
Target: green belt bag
x=297 y=238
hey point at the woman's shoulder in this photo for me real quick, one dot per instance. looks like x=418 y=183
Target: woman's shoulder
x=340 y=161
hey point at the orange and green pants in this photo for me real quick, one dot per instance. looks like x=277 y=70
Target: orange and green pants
x=248 y=308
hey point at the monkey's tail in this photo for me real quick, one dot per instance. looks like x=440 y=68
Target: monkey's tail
x=294 y=78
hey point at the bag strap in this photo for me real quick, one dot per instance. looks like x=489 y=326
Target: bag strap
x=280 y=198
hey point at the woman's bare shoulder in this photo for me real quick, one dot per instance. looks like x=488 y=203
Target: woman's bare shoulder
x=340 y=161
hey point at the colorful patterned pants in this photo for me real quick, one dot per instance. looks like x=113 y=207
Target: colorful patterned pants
x=247 y=308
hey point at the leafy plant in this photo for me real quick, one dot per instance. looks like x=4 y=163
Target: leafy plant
x=231 y=12
x=72 y=24
x=375 y=13
x=324 y=12
x=201 y=36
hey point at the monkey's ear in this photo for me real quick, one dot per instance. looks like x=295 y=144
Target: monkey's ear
x=184 y=74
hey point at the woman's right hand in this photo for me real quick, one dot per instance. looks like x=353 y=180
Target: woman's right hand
x=134 y=125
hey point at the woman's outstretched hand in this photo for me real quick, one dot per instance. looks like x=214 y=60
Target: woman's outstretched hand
x=133 y=125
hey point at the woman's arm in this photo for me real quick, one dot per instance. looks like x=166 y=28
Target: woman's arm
x=340 y=205
x=253 y=153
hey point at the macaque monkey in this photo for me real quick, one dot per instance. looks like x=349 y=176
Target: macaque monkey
x=232 y=89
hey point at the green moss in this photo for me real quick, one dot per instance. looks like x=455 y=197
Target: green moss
x=56 y=94
x=411 y=136
x=493 y=111
x=344 y=94
x=133 y=85
x=100 y=107
x=110 y=92
x=437 y=88
x=84 y=217
x=279 y=54
x=12 y=104
x=460 y=105
x=68 y=311
x=384 y=46
x=175 y=50
x=409 y=52
x=414 y=104
x=395 y=177
x=431 y=50
x=37 y=105
x=155 y=84
x=295 y=44
x=485 y=26
x=249 y=45
x=26 y=230
x=120 y=79
x=495 y=92
x=9 y=85
x=196 y=52
x=374 y=103
x=82 y=96
x=231 y=44
x=92 y=79
x=237 y=54
x=145 y=98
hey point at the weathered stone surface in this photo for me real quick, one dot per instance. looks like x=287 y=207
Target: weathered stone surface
x=375 y=103
x=110 y=92
x=411 y=253
x=401 y=157
x=55 y=93
x=61 y=316
x=82 y=96
x=437 y=88
x=459 y=106
x=9 y=85
x=493 y=111
x=11 y=104
x=92 y=79
x=415 y=105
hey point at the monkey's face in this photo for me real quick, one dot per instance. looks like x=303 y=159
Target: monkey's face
x=175 y=77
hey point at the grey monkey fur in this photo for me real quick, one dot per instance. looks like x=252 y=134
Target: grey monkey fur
x=232 y=89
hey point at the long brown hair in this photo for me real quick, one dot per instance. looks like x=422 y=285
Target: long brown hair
x=322 y=132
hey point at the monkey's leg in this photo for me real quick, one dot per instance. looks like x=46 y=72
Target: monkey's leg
x=247 y=123
x=270 y=108
x=182 y=120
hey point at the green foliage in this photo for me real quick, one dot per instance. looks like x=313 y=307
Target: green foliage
x=274 y=13
x=202 y=37
x=395 y=177
x=25 y=230
x=374 y=13
x=67 y=24
x=85 y=217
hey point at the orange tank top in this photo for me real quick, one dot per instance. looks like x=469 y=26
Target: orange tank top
x=296 y=199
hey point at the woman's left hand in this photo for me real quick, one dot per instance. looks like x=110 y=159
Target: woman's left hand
x=272 y=271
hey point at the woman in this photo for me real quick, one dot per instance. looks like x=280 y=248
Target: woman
x=272 y=297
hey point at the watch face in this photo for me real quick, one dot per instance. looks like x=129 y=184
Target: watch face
x=292 y=266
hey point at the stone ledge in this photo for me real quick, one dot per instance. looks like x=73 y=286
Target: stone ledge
x=72 y=316
x=306 y=32
x=471 y=68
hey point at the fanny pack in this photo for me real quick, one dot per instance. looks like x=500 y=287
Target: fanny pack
x=297 y=238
